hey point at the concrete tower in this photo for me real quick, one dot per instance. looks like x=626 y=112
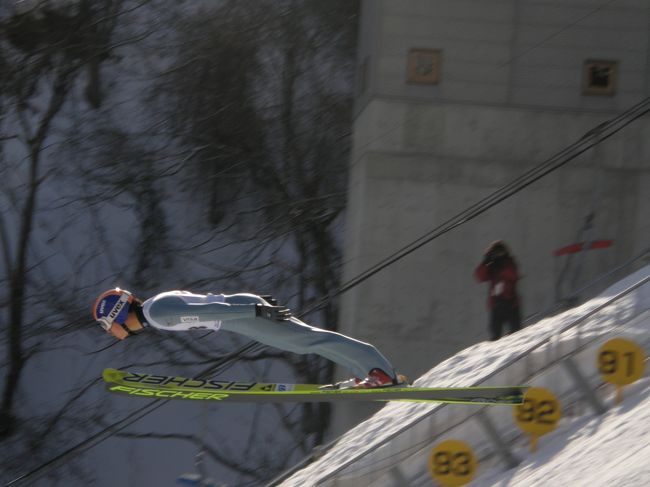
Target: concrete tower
x=457 y=98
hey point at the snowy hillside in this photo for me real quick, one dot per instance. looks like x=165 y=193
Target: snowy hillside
x=612 y=449
x=392 y=447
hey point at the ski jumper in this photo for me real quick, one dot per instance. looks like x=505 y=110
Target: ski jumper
x=182 y=310
x=503 y=300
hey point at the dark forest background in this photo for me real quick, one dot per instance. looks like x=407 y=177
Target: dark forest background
x=160 y=145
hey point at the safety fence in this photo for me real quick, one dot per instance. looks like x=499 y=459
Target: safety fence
x=563 y=362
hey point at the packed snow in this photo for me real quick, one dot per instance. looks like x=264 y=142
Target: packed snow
x=586 y=448
x=612 y=449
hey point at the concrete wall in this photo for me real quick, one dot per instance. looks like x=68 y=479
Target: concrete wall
x=507 y=51
x=509 y=97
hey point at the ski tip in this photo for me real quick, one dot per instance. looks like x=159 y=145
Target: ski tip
x=109 y=375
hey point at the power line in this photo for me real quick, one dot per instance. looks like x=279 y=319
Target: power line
x=87 y=444
x=118 y=426
x=557 y=32
x=589 y=140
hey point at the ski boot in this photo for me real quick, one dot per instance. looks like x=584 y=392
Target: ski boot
x=376 y=378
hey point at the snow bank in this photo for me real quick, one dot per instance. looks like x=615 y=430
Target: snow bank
x=615 y=456
x=612 y=449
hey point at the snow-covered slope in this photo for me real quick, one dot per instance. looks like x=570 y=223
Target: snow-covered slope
x=586 y=449
x=608 y=450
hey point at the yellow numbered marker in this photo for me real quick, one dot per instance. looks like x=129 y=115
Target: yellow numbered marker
x=452 y=463
x=538 y=414
x=621 y=362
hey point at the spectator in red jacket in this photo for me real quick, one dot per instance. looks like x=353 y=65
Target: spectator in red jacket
x=500 y=270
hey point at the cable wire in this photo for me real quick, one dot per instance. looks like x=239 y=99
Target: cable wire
x=119 y=425
x=589 y=140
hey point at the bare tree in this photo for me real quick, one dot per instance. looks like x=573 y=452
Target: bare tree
x=45 y=50
x=248 y=129
x=268 y=103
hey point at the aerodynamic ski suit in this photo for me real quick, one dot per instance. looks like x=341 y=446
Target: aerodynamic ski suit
x=182 y=310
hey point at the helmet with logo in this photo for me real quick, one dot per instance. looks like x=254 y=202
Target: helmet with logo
x=111 y=310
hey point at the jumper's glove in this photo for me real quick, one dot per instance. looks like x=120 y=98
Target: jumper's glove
x=273 y=313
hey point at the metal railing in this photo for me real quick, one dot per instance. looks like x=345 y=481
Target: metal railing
x=534 y=347
x=500 y=436
x=492 y=374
